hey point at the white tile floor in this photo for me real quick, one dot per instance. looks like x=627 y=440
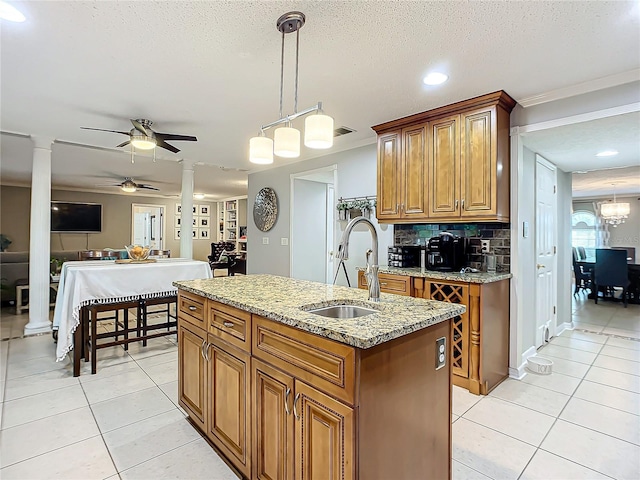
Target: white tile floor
x=581 y=422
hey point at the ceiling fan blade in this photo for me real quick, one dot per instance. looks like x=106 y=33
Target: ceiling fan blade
x=148 y=187
x=103 y=130
x=171 y=136
x=124 y=144
x=108 y=185
x=166 y=146
x=138 y=126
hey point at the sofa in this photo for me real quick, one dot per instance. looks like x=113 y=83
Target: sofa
x=14 y=269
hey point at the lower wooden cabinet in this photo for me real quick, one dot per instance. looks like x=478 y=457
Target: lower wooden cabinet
x=398 y=284
x=229 y=389
x=192 y=387
x=480 y=336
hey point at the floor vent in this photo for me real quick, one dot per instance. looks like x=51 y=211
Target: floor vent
x=338 y=132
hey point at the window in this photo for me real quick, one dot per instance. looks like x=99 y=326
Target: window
x=583 y=231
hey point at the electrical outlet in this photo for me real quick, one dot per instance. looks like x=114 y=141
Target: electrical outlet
x=485 y=246
x=265 y=240
x=441 y=352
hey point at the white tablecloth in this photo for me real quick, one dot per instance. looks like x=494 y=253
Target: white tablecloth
x=83 y=283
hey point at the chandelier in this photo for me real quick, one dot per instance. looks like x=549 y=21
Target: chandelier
x=318 y=128
x=615 y=213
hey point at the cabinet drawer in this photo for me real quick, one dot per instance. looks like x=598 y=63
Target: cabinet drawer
x=398 y=284
x=328 y=365
x=230 y=324
x=192 y=308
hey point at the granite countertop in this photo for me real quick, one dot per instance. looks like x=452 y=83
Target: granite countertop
x=480 y=277
x=285 y=299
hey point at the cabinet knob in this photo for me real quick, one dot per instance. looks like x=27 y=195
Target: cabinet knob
x=228 y=324
x=192 y=308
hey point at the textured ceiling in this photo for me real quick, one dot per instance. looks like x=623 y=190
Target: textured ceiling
x=211 y=69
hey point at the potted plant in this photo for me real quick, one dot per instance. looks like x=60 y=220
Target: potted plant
x=343 y=209
x=362 y=206
x=56 y=267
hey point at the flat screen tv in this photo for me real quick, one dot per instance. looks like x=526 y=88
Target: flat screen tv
x=71 y=217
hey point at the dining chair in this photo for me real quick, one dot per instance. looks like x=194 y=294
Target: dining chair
x=611 y=271
x=96 y=255
x=582 y=277
x=582 y=254
x=159 y=253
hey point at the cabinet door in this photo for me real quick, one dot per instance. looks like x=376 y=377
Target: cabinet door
x=414 y=164
x=478 y=164
x=229 y=387
x=388 y=204
x=444 y=165
x=274 y=423
x=192 y=373
x=455 y=293
x=324 y=433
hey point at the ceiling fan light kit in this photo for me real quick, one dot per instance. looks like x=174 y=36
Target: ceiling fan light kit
x=286 y=142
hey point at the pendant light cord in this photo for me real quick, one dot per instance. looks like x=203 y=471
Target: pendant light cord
x=295 y=98
x=281 y=72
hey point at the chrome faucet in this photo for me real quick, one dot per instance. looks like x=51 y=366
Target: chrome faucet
x=371 y=273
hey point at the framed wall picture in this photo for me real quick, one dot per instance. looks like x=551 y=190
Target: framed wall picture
x=178 y=209
x=176 y=235
x=178 y=221
x=204 y=233
x=204 y=210
x=194 y=222
x=204 y=222
x=196 y=209
x=195 y=234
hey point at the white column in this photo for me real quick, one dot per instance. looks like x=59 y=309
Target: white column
x=40 y=238
x=186 y=225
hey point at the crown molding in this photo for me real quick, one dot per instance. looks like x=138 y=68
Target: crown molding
x=581 y=88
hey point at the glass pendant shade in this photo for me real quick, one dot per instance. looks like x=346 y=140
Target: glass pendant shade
x=261 y=150
x=318 y=131
x=286 y=142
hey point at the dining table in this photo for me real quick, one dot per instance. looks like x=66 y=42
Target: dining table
x=84 y=283
x=588 y=264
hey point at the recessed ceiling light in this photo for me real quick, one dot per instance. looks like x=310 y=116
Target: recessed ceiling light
x=607 y=153
x=11 y=13
x=435 y=78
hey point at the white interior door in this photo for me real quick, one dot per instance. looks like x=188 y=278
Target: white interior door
x=147 y=225
x=546 y=242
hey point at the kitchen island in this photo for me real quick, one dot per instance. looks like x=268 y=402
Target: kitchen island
x=283 y=392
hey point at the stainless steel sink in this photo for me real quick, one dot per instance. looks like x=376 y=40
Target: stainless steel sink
x=343 y=311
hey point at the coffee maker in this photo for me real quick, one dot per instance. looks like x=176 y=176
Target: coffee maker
x=446 y=252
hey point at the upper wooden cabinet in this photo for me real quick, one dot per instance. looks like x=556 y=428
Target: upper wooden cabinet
x=450 y=164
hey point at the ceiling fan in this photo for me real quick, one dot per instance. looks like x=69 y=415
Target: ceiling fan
x=141 y=136
x=129 y=186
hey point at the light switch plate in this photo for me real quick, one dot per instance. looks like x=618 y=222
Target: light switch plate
x=265 y=240
x=441 y=352
x=284 y=241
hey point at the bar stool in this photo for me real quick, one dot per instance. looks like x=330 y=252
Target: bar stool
x=165 y=301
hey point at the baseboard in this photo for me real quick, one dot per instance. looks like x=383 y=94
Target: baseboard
x=562 y=327
x=520 y=372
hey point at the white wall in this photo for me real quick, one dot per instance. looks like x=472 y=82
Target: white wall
x=308 y=244
x=357 y=170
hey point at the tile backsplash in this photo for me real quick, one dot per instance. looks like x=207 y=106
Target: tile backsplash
x=498 y=233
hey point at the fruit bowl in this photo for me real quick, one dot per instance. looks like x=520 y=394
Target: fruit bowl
x=137 y=252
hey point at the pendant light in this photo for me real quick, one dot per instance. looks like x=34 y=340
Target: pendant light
x=286 y=141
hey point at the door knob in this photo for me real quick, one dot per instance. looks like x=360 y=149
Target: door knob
x=539 y=266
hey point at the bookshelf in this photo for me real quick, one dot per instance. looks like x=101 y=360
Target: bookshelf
x=234 y=223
